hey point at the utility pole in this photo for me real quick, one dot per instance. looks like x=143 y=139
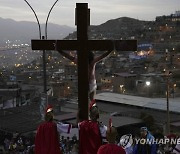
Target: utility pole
x=44 y=52
x=44 y=69
x=167 y=100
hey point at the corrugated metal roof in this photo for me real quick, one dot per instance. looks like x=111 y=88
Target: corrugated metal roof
x=176 y=124
x=144 y=102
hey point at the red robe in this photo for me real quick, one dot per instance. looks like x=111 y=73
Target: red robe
x=111 y=149
x=47 y=139
x=89 y=137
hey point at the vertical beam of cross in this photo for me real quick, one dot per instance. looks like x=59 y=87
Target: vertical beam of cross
x=82 y=39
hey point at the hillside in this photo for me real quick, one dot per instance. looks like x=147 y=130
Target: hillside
x=25 y=31
x=117 y=28
x=160 y=34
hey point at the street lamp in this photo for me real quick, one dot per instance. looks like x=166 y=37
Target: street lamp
x=42 y=37
x=148 y=83
x=168 y=75
x=44 y=52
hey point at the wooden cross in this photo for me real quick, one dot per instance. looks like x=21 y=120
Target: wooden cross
x=83 y=46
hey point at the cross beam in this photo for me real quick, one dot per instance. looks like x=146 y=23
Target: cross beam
x=100 y=45
x=83 y=46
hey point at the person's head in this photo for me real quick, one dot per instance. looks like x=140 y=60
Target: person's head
x=94 y=111
x=49 y=113
x=90 y=56
x=111 y=134
x=143 y=132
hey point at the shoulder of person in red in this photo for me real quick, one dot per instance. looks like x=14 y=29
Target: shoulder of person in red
x=90 y=138
x=90 y=128
x=47 y=139
x=111 y=149
x=47 y=124
x=88 y=123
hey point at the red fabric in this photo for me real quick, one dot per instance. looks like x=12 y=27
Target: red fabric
x=90 y=138
x=47 y=139
x=111 y=149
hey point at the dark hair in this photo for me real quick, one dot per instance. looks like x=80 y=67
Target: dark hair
x=90 y=56
x=94 y=113
x=49 y=116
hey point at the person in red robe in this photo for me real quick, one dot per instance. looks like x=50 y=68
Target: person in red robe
x=47 y=136
x=91 y=132
x=111 y=147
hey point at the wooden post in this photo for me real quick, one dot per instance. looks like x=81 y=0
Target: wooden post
x=82 y=38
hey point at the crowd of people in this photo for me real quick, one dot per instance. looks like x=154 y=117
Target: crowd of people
x=16 y=144
x=69 y=145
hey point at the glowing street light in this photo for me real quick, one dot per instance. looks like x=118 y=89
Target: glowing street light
x=148 y=83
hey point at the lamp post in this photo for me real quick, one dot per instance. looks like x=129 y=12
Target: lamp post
x=44 y=97
x=44 y=52
x=42 y=37
x=167 y=101
x=44 y=69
